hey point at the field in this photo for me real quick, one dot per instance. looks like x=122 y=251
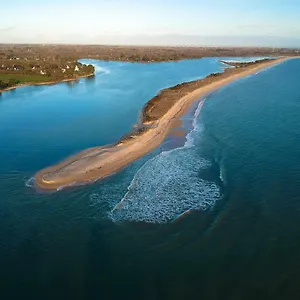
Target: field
x=24 y=78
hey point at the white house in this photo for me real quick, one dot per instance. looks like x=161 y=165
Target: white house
x=42 y=72
x=76 y=69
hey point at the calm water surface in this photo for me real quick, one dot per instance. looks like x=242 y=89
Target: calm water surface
x=238 y=168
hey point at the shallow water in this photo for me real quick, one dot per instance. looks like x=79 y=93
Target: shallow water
x=238 y=167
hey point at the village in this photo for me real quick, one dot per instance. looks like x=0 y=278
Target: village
x=28 y=68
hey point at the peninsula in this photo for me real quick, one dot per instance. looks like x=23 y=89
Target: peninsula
x=20 y=68
x=158 y=117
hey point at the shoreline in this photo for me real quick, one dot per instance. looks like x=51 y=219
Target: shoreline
x=158 y=118
x=45 y=83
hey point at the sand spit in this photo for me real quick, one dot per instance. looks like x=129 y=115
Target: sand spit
x=159 y=115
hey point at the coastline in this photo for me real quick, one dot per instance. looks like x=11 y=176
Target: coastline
x=45 y=83
x=157 y=120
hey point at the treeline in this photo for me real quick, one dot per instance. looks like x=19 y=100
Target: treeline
x=11 y=82
x=57 y=53
x=55 y=70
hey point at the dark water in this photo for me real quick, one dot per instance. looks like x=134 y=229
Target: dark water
x=242 y=242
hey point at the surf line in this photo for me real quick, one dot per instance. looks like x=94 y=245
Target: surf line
x=158 y=118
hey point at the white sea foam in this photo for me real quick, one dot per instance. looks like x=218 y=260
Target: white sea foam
x=30 y=182
x=99 y=69
x=95 y=199
x=169 y=185
x=221 y=175
x=195 y=127
x=165 y=187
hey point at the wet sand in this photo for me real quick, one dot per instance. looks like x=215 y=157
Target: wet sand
x=159 y=116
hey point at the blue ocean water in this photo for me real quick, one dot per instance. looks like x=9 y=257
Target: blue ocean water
x=217 y=217
x=44 y=124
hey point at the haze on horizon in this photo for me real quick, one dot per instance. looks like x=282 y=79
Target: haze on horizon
x=138 y=22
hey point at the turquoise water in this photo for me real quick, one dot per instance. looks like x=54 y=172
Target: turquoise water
x=215 y=218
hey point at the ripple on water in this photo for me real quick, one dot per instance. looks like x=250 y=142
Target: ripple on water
x=169 y=185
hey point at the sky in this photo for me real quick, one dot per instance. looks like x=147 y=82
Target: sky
x=274 y=23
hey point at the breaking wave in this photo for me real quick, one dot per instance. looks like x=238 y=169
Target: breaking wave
x=169 y=185
x=30 y=182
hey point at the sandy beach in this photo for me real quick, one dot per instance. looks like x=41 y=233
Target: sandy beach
x=158 y=119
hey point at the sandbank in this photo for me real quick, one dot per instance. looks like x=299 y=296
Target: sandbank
x=158 y=117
